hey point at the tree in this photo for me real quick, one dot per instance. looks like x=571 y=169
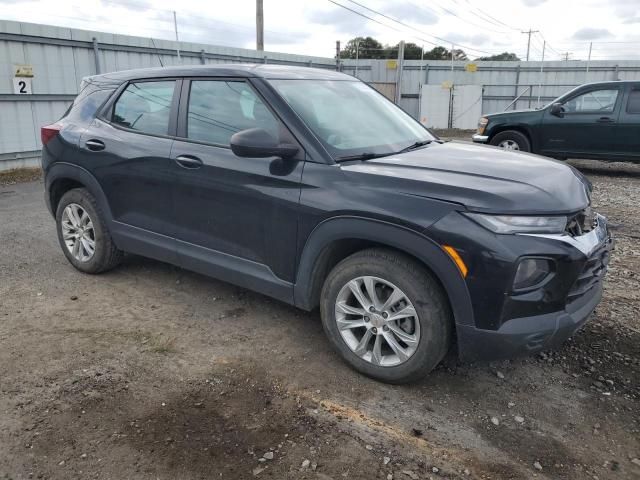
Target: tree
x=441 y=53
x=411 y=51
x=437 y=53
x=459 y=54
x=505 y=56
x=366 y=48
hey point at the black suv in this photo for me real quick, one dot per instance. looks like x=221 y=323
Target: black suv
x=310 y=187
x=597 y=120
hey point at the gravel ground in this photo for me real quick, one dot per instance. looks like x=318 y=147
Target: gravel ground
x=150 y=371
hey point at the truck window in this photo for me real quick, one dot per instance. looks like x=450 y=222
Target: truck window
x=633 y=105
x=594 y=101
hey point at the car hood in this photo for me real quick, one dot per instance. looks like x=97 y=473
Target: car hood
x=481 y=178
x=511 y=112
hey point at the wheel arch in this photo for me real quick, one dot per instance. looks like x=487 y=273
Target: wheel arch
x=62 y=177
x=337 y=238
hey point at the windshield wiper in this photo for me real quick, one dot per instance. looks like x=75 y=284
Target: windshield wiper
x=415 y=145
x=362 y=156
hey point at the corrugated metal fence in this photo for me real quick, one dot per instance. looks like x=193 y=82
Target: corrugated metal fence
x=501 y=82
x=61 y=57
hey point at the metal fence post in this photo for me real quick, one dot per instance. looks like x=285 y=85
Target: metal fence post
x=451 y=100
x=515 y=94
x=400 y=67
x=96 y=55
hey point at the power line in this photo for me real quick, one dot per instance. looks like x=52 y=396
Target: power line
x=449 y=42
x=376 y=21
x=548 y=44
x=459 y=17
x=499 y=22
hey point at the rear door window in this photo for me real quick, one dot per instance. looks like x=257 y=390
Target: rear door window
x=633 y=105
x=145 y=106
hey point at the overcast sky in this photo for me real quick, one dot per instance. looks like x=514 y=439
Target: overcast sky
x=312 y=26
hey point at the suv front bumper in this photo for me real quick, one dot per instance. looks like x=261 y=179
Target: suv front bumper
x=522 y=336
x=480 y=138
x=509 y=323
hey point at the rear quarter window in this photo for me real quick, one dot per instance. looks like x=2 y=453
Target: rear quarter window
x=87 y=103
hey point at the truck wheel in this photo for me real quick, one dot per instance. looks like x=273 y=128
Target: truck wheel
x=386 y=315
x=83 y=235
x=511 y=140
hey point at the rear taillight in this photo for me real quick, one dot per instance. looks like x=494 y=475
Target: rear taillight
x=48 y=132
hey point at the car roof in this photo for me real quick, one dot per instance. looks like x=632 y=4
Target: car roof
x=223 y=70
x=608 y=83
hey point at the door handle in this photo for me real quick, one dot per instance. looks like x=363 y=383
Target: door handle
x=94 y=145
x=605 y=120
x=188 y=161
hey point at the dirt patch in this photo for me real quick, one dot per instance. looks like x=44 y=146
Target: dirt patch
x=454 y=133
x=150 y=371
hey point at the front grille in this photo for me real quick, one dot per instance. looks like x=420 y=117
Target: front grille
x=592 y=273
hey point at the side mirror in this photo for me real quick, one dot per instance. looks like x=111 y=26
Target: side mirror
x=557 y=109
x=258 y=143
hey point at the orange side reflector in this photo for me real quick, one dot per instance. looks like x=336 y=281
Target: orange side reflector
x=455 y=256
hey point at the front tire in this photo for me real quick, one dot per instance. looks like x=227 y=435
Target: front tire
x=83 y=235
x=386 y=315
x=511 y=140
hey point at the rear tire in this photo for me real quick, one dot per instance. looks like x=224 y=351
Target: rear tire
x=416 y=343
x=511 y=140
x=83 y=235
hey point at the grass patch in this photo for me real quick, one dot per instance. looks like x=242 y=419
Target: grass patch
x=20 y=175
x=160 y=344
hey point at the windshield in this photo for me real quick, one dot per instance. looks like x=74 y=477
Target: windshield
x=351 y=118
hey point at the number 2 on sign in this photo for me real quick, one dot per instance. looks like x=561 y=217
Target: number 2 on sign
x=22 y=86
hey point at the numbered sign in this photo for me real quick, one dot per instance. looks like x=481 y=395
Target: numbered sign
x=22 y=86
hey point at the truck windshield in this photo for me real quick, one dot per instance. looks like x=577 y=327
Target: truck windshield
x=350 y=118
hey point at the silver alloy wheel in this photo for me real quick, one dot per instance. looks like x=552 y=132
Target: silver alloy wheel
x=509 y=145
x=377 y=321
x=78 y=233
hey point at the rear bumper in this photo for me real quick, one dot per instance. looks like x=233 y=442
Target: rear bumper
x=524 y=336
x=480 y=138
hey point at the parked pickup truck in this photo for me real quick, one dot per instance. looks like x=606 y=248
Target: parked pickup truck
x=597 y=120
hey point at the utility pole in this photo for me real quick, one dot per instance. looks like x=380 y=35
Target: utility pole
x=544 y=46
x=175 y=27
x=530 y=32
x=452 y=48
x=589 y=59
x=566 y=56
x=337 y=55
x=259 y=26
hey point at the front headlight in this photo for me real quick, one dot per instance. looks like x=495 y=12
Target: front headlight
x=482 y=124
x=519 y=224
